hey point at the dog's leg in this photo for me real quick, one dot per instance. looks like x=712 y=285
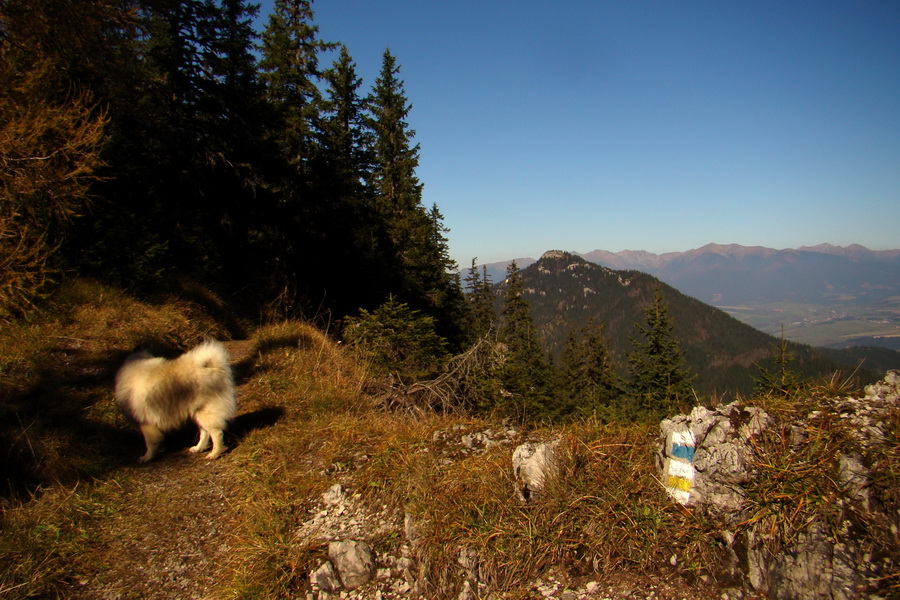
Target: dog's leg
x=211 y=427
x=218 y=443
x=203 y=443
x=152 y=437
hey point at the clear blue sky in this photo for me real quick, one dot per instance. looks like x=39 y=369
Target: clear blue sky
x=659 y=126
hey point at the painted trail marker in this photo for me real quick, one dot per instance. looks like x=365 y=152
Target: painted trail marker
x=679 y=467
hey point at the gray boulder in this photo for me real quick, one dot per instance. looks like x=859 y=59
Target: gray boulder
x=353 y=562
x=704 y=456
x=533 y=463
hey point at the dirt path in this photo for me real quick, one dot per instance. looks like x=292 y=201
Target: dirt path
x=171 y=539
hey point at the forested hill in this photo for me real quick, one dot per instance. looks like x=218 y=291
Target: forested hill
x=565 y=291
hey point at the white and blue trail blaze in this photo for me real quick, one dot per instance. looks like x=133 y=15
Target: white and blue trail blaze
x=679 y=465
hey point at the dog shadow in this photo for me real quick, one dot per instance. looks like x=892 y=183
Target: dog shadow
x=241 y=426
x=244 y=370
x=244 y=424
x=302 y=341
x=248 y=367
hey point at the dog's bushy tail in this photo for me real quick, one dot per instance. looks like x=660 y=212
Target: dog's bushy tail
x=211 y=355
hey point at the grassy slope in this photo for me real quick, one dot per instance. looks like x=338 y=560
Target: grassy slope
x=81 y=519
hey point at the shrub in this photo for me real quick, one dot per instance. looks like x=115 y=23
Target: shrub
x=398 y=338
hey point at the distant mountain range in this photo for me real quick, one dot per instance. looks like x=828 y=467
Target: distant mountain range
x=822 y=295
x=565 y=291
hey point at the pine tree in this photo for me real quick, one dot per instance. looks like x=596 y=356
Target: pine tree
x=129 y=235
x=397 y=189
x=480 y=299
x=441 y=281
x=589 y=377
x=345 y=140
x=232 y=92
x=414 y=241
x=484 y=301
x=290 y=71
x=83 y=47
x=659 y=378
x=303 y=220
x=183 y=149
x=783 y=380
x=525 y=374
x=348 y=224
x=398 y=339
x=233 y=120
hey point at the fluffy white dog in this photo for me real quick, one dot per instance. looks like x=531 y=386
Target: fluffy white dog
x=159 y=395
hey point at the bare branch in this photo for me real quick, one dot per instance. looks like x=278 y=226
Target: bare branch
x=458 y=389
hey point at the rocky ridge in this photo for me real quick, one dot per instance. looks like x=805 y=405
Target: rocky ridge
x=823 y=464
x=717 y=455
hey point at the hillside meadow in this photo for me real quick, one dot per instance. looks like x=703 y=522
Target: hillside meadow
x=81 y=519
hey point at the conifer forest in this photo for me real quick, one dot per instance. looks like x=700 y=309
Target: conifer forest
x=151 y=141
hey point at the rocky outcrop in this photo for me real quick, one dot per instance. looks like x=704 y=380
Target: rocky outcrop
x=353 y=562
x=705 y=455
x=342 y=521
x=803 y=516
x=533 y=464
x=726 y=463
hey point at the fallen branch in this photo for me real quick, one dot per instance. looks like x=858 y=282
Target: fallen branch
x=457 y=389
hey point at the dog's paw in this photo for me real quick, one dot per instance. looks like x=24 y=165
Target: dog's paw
x=195 y=449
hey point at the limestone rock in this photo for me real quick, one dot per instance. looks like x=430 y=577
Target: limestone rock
x=855 y=477
x=887 y=389
x=334 y=496
x=533 y=463
x=815 y=568
x=843 y=550
x=353 y=562
x=325 y=579
x=705 y=454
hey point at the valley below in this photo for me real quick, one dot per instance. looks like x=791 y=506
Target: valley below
x=824 y=325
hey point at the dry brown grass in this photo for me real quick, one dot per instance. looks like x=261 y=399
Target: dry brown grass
x=303 y=425
x=603 y=513
x=297 y=373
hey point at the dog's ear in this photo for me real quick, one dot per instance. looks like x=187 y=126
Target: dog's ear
x=139 y=351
